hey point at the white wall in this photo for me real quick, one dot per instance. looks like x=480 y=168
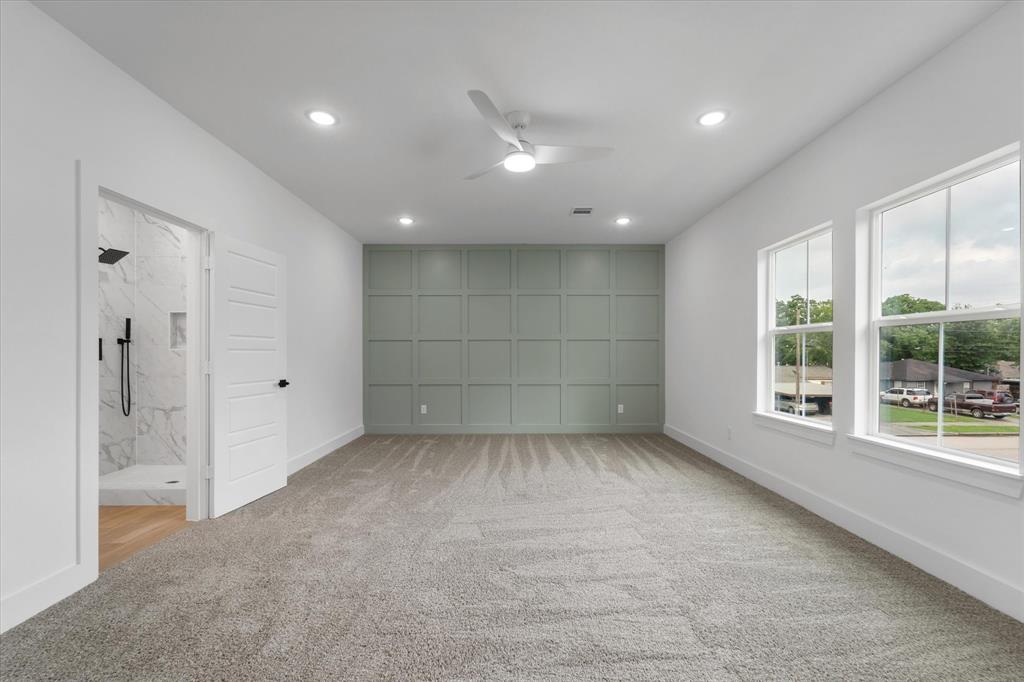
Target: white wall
x=964 y=102
x=62 y=102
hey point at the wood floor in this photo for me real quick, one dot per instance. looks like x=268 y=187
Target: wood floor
x=127 y=530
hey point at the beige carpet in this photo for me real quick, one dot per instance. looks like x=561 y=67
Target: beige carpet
x=516 y=558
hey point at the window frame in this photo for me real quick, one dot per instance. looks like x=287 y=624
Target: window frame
x=769 y=330
x=876 y=321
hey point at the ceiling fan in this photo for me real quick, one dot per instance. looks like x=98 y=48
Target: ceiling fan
x=521 y=155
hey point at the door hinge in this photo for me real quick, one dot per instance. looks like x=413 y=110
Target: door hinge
x=208 y=368
x=208 y=263
x=208 y=472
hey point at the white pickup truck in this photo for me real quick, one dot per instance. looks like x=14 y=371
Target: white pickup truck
x=906 y=397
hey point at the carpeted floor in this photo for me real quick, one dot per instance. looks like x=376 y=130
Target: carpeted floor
x=517 y=558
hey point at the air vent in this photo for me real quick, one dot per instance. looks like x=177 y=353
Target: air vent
x=582 y=211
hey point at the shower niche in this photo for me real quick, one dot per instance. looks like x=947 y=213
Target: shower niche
x=177 y=331
x=143 y=364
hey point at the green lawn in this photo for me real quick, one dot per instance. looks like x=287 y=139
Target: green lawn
x=893 y=414
x=953 y=429
x=923 y=420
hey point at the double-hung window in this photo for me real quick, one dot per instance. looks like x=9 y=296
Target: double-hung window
x=799 y=329
x=945 y=315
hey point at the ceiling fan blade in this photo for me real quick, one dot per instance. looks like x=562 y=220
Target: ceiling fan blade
x=485 y=171
x=494 y=118
x=549 y=153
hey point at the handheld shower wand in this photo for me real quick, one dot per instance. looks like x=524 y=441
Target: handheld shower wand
x=126 y=406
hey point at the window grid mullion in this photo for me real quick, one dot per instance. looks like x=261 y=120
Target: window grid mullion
x=801 y=329
x=940 y=413
x=807 y=282
x=965 y=315
x=949 y=199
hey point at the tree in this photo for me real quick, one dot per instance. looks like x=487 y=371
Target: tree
x=817 y=349
x=976 y=346
x=916 y=341
x=818 y=345
x=905 y=304
x=797 y=310
x=980 y=346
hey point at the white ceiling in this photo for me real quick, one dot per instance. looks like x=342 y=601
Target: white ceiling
x=632 y=75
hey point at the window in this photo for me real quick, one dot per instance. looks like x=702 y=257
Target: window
x=945 y=317
x=799 y=333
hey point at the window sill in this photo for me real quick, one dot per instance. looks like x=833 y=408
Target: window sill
x=997 y=478
x=797 y=426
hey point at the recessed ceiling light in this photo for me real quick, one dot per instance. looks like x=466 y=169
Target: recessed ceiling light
x=405 y=220
x=519 y=162
x=623 y=221
x=322 y=118
x=712 y=118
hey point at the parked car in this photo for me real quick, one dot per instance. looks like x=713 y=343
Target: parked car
x=974 y=404
x=906 y=397
x=785 y=403
x=998 y=396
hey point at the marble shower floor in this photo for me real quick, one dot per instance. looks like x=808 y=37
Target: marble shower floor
x=144 y=484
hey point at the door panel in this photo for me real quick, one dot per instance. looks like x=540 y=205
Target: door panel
x=250 y=429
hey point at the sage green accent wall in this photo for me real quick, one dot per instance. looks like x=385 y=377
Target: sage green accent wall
x=513 y=338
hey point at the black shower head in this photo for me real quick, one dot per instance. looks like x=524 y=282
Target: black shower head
x=111 y=256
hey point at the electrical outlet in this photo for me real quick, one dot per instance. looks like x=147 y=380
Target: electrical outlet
x=622 y=408
x=423 y=409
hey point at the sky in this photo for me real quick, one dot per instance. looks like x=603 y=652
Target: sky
x=805 y=268
x=984 y=243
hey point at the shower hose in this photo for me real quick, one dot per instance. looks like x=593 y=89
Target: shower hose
x=126 y=407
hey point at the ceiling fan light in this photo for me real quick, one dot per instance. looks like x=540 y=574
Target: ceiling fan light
x=519 y=162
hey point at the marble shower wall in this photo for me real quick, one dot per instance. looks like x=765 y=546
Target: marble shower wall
x=160 y=290
x=116 y=302
x=150 y=287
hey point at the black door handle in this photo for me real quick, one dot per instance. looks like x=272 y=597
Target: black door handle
x=282 y=383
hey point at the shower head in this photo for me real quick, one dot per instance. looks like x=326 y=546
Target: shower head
x=111 y=256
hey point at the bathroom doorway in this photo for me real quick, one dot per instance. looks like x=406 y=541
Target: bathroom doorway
x=152 y=351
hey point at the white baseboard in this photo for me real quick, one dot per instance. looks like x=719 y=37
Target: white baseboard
x=994 y=591
x=42 y=594
x=307 y=458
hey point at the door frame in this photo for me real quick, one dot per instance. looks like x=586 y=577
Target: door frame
x=88 y=181
x=198 y=406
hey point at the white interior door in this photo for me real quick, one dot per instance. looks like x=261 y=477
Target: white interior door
x=249 y=361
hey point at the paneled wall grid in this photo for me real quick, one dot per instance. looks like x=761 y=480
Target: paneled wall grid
x=531 y=339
